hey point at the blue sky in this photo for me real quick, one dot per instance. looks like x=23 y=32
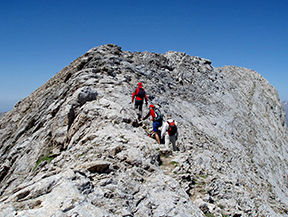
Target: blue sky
x=39 y=38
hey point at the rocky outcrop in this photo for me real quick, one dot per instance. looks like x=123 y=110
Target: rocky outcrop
x=74 y=147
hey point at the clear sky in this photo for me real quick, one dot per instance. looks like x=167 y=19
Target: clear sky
x=39 y=38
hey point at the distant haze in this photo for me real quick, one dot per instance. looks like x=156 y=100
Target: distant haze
x=1 y=114
x=285 y=103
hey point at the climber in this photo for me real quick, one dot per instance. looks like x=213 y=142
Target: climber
x=170 y=131
x=157 y=120
x=140 y=95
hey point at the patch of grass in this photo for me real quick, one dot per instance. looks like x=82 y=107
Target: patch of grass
x=220 y=206
x=209 y=215
x=46 y=158
x=174 y=163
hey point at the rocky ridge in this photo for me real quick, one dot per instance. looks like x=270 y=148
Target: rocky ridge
x=75 y=148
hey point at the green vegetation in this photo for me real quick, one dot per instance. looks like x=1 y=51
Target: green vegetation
x=209 y=215
x=174 y=163
x=220 y=206
x=123 y=137
x=46 y=158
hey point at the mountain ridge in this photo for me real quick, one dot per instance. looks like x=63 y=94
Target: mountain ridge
x=78 y=133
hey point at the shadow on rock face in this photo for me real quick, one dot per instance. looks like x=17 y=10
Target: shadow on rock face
x=86 y=95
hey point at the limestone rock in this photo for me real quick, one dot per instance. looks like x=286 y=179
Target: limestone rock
x=75 y=147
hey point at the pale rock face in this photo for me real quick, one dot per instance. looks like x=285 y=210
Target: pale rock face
x=75 y=148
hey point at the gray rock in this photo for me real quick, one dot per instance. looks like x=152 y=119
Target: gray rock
x=74 y=146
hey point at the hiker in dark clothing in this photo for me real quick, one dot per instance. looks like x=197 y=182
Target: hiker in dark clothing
x=139 y=95
x=157 y=120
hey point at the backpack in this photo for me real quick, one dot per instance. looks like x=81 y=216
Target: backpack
x=140 y=93
x=172 y=128
x=158 y=117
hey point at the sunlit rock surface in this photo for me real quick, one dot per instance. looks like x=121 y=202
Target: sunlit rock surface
x=74 y=147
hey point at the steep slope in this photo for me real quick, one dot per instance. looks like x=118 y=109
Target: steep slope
x=73 y=147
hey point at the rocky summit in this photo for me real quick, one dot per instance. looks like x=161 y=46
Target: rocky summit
x=75 y=147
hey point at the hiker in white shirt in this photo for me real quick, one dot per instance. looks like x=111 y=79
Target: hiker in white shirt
x=170 y=131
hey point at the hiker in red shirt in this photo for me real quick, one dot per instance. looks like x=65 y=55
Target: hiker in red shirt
x=140 y=95
x=157 y=120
